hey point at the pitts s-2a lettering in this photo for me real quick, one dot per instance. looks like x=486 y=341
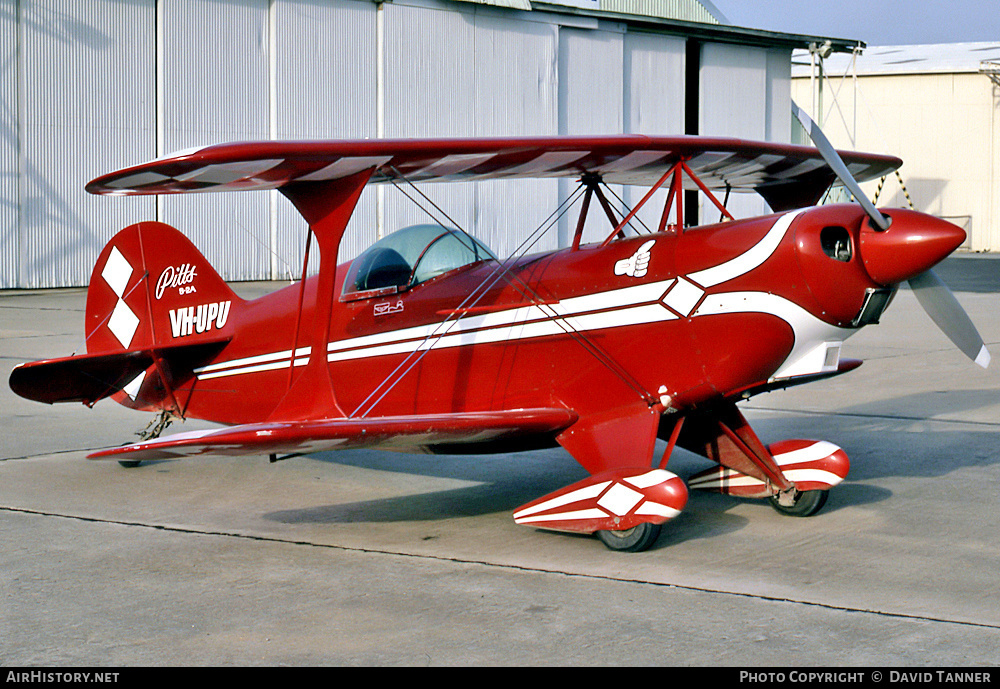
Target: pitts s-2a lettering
x=428 y=342
x=180 y=278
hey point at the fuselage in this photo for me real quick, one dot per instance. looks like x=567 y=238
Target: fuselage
x=669 y=319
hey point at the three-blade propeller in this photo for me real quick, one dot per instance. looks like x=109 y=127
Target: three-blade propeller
x=933 y=295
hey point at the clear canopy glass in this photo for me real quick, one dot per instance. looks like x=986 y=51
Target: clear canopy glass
x=412 y=255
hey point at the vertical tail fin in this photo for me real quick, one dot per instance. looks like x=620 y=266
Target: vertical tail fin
x=152 y=292
x=152 y=288
x=156 y=310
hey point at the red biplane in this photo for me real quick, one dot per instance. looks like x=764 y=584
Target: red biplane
x=428 y=342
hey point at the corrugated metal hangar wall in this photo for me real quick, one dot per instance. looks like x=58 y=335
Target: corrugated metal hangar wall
x=95 y=85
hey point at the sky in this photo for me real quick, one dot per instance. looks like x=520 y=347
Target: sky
x=874 y=22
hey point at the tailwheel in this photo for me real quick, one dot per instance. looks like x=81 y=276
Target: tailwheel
x=805 y=503
x=634 y=540
x=129 y=463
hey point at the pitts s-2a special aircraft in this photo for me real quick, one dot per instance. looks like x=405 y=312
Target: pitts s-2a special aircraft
x=428 y=342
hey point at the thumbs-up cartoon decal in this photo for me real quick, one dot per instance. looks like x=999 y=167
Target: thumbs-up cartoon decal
x=636 y=264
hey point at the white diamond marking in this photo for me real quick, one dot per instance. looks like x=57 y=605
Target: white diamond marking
x=117 y=271
x=123 y=323
x=619 y=499
x=683 y=297
x=133 y=388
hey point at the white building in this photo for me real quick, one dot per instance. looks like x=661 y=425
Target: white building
x=935 y=106
x=90 y=86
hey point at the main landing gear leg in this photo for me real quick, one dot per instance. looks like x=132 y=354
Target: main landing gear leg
x=623 y=502
x=794 y=475
x=644 y=535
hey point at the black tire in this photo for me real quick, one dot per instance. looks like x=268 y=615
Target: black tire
x=807 y=503
x=633 y=540
x=130 y=463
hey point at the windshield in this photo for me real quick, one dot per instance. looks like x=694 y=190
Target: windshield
x=410 y=256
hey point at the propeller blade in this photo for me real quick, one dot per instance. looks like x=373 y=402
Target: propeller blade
x=838 y=166
x=941 y=305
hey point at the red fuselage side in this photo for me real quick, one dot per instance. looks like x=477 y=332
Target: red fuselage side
x=717 y=310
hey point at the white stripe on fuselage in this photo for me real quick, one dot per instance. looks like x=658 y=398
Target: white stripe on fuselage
x=809 y=330
x=634 y=305
x=610 y=309
x=253 y=364
x=748 y=260
x=574 y=306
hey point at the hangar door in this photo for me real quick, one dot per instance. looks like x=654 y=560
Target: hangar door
x=744 y=92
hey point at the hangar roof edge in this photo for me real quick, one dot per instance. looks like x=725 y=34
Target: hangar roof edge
x=726 y=33
x=698 y=19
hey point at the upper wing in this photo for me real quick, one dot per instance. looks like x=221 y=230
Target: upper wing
x=389 y=432
x=787 y=176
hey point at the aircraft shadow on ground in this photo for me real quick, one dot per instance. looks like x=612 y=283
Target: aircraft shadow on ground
x=505 y=482
x=706 y=516
x=501 y=483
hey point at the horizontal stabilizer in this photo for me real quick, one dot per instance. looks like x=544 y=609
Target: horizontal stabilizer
x=387 y=432
x=88 y=378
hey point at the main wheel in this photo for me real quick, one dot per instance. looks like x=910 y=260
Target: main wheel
x=807 y=503
x=130 y=463
x=633 y=540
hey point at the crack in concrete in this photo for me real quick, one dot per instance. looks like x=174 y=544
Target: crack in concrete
x=484 y=563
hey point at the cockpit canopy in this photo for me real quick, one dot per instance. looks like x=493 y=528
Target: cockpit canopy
x=410 y=256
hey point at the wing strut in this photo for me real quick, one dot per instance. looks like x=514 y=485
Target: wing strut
x=298 y=314
x=327 y=207
x=678 y=171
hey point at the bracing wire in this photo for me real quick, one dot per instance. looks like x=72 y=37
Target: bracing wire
x=500 y=272
x=628 y=210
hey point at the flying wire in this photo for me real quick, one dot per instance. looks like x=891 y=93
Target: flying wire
x=501 y=272
x=475 y=296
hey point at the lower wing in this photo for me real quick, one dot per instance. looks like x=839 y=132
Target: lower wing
x=416 y=432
